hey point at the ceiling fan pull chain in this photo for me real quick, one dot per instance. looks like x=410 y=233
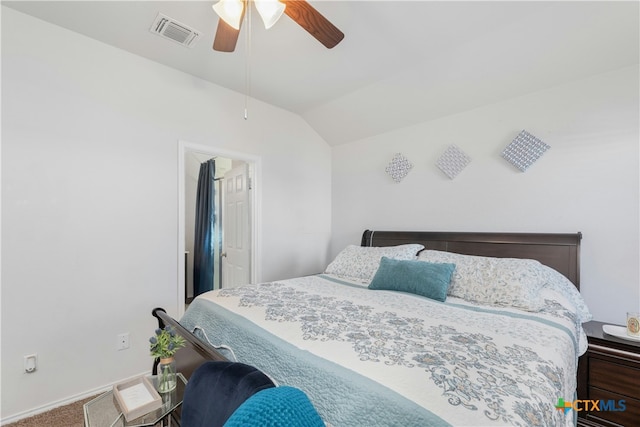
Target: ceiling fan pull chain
x=247 y=71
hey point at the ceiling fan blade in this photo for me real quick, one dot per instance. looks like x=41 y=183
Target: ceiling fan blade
x=227 y=36
x=311 y=20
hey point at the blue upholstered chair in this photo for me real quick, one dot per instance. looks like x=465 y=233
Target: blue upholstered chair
x=216 y=389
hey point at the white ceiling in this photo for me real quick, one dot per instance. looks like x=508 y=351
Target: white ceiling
x=400 y=63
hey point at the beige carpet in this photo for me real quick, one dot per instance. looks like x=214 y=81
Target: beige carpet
x=70 y=415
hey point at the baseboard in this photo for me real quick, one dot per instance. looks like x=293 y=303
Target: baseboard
x=66 y=401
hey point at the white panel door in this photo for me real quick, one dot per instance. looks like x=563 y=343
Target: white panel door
x=236 y=257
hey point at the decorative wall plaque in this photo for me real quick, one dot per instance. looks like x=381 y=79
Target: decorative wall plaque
x=524 y=150
x=453 y=161
x=399 y=167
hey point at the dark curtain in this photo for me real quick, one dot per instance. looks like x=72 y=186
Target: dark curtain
x=205 y=219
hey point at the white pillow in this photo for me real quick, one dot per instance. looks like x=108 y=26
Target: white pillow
x=360 y=263
x=505 y=282
x=558 y=282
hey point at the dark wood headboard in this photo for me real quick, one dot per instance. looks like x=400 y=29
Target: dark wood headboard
x=559 y=251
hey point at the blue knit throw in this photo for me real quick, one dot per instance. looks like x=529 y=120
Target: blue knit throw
x=276 y=407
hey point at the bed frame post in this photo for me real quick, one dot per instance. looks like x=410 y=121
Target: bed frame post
x=154 y=312
x=366 y=238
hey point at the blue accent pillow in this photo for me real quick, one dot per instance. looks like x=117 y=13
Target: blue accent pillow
x=428 y=279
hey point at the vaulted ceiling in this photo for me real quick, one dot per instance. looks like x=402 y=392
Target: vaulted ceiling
x=400 y=63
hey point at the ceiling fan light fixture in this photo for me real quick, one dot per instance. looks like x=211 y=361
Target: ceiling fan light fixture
x=270 y=11
x=230 y=11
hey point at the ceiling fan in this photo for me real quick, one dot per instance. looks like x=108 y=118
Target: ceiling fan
x=231 y=13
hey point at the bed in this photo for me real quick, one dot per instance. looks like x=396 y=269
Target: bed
x=492 y=339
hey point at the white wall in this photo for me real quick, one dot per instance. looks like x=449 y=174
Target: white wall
x=90 y=202
x=588 y=181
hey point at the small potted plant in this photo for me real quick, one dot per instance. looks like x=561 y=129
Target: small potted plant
x=163 y=345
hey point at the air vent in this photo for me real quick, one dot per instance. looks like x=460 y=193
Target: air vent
x=175 y=31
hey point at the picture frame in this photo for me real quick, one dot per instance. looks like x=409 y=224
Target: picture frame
x=136 y=397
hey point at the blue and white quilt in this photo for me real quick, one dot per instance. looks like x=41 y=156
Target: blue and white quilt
x=383 y=358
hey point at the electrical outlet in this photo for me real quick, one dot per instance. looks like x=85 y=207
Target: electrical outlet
x=30 y=363
x=123 y=341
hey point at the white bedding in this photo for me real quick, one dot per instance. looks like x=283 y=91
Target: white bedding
x=385 y=358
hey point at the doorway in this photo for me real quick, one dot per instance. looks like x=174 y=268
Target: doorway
x=231 y=233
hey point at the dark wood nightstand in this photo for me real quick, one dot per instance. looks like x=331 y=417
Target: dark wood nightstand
x=609 y=371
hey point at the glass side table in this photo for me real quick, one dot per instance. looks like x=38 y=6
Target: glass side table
x=103 y=411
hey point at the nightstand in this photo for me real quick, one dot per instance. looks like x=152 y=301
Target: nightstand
x=609 y=371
